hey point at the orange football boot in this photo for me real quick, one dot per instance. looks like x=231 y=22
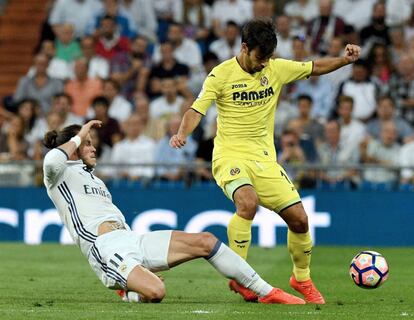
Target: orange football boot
x=247 y=294
x=279 y=296
x=308 y=290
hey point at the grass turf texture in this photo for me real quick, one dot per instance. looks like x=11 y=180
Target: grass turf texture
x=55 y=282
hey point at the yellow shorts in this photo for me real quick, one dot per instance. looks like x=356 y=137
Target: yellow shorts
x=270 y=181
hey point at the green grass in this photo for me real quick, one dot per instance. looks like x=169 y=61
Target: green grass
x=55 y=282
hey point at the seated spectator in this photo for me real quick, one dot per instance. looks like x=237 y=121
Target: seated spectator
x=135 y=148
x=399 y=45
x=305 y=140
x=82 y=89
x=124 y=22
x=166 y=12
x=40 y=86
x=143 y=14
x=380 y=65
x=301 y=12
x=62 y=105
x=239 y=11
x=110 y=41
x=179 y=157
x=98 y=67
x=285 y=112
x=284 y=39
x=310 y=126
x=229 y=45
x=324 y=27
x=169 y=103
x=103 y=154
x=402 y=88
x=109 y=132
x=67 y=47
x=333 y=152
x=386 y=113
x=264 y=9
x=407 y=160
x=196 y=19
x=119 y=108
x=131 y=69
x=300 y=52
x=353 y=131
x=385 y=151
x=362 y=89
x=321 y=91
x=17 y=145
x=355 y=13
x=34 y=126
x=168 y=67
x=78 y=13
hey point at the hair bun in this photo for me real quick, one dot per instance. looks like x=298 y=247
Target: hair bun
x=50 y=139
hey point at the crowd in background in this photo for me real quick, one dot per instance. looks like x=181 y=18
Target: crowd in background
x=137 y=65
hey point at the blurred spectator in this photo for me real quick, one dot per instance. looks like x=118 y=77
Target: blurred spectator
x=17 y=144
x=204 y=155
x=110 y=41
x=355 y=13
x=398 y=44
x=4 y=148
x=131 y=69
x=321 y=91
x=239 y=11
x=229 y=44
x=170 y=156
x=124 y=23
x=62 y=105
x=402 y=88
x=134 y=148
x=119 y=108
x=263 y=9
x=77 y=12
x=285 y=112
x=334 y=152
x=169 y=103
x=82 y=89
x=40 y=86
x=67 y=47
x=324 y=27
x=109 y=132
x=186 y=51
x=310 y=126
x=407 y=160
x=37 y=150
x=305 y=140
x=377 y=31
x=168 y=67
x=362 y=90
x=103 y=154
x=385 y=151
x=353 y=131
x=196 y=18
x=380 y=64
x=143 y=15
x=290 y=153
x=284 y=40
x=98 y=67
x=301 y=13
x=57 y=68
x=336 y=48
x=398 y=11
x=386 y=113
x=300 y=53
x=409 y=26
x=166 y=12
x=34 y=127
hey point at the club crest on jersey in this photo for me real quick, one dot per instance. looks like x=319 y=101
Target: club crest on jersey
x=264 y=81
x=234 y=171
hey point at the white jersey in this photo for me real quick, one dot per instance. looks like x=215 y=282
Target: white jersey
x=82 y=199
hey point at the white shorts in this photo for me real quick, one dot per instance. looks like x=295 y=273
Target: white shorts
x=116 y=253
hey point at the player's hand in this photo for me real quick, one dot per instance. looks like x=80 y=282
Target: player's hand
x=177 y=141
x=87 y=127
x=352 y=52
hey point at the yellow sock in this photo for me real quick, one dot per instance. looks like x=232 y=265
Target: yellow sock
x=240 y=235
x=300 y=248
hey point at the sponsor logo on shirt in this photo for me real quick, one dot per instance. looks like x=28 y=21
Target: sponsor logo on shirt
x=239 y=85
x=253 y=95
x=96 y=191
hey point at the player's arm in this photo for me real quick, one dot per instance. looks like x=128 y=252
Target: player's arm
x=326 y=65
x=190 y=121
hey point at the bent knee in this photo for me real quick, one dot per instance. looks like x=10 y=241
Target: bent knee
x=247 y=205
x=207 y=242
x=156 y=293
x=299 y=225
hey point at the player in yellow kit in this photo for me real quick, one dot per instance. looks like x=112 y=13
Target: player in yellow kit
x=246 y=89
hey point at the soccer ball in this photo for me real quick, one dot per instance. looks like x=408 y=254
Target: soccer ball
x=368 y=269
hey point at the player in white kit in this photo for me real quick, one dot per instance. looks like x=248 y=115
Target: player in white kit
x=122 y=259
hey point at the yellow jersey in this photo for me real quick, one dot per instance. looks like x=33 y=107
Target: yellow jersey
x=246 y=105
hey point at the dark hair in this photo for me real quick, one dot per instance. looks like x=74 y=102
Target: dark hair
x=100 y=100
x=55 y=138
x=261 y=34
x=63 y=95
x=114 y=83
x=305 y=97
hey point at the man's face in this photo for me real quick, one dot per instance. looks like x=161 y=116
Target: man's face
x=254 y=61
x=88 y=47
x=175 y=34
x=87 y=152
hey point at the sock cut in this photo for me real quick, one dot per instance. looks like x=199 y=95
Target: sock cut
x=239 y=232
x=300 y=249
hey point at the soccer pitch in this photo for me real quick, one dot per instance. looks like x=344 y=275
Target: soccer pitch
x=55 y=282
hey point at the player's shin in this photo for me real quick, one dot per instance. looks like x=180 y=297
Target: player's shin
x=230 y=265
x=300 y=248
x=240 y=235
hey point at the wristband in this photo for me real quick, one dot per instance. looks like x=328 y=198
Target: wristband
x=77 y=140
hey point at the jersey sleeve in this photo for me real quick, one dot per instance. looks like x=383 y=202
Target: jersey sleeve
x=54 y=165
x=289 y=70
x=209 y=93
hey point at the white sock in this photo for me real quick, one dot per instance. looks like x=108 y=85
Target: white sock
x=232 y=266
